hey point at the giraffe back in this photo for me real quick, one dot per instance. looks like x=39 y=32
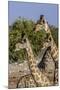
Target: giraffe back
x=26 y=81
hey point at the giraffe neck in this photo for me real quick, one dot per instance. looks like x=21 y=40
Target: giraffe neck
x=54 y=49
x=37 y=74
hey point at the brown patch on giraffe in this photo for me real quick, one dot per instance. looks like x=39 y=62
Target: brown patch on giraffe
x=55 y=57
x=36 y=76
x=53 y=49
x=32 y=66
x=55 y=54
x=31 y=81
x=31 y=62
x=33 y=70
x=34 y=62
x=52 y=52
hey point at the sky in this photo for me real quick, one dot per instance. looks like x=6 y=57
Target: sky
x=32 y=11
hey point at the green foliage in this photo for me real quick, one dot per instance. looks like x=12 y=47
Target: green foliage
x=19 y=27
x=36 y=39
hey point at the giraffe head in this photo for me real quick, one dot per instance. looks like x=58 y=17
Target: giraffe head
x=22 y=44
x=41 y=23
x=42 y=19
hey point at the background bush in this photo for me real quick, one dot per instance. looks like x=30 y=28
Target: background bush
x=36 y=39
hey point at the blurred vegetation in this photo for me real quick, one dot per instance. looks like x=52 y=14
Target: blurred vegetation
x=36 y=39
x=54 y=32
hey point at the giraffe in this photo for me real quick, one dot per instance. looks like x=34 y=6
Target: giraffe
x=54 y=50
x=47 y=64
x=36 y=78
x=43 y=23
